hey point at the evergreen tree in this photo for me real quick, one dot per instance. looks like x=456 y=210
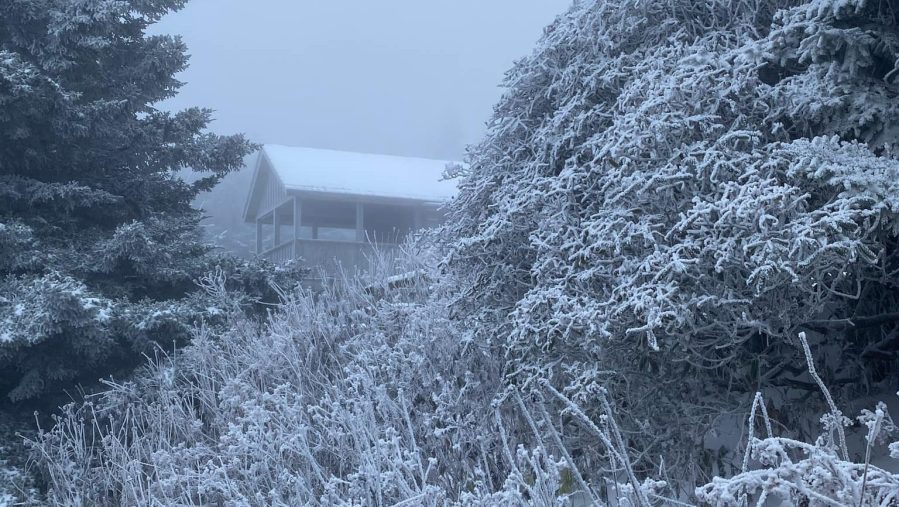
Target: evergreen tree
x=99 y=244
x=670 y=191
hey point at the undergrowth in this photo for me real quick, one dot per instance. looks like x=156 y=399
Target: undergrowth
x=368 y=393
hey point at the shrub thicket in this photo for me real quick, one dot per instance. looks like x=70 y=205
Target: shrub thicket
x=371 y=392
x=670 y=191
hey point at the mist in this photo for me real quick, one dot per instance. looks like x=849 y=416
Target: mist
x=401 y=77
x=667 y=273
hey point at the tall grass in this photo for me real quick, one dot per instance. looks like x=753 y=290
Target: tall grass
x=364 y=392
x=367 y=392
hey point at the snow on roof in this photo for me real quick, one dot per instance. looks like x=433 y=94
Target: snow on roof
x=343 y=172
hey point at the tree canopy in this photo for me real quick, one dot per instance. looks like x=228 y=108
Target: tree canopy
x=99 y=245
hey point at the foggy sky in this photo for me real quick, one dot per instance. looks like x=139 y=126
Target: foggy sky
x=405 y=77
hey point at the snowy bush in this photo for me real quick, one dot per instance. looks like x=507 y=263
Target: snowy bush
x=818 y=474
x=366 y=393
x=17 y=485
x=55 y=330
x=670 y=191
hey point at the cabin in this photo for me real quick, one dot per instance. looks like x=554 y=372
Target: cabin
x=331 y=208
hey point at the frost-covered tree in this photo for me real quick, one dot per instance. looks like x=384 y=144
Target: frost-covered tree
x=99 y=246
x=670 y=191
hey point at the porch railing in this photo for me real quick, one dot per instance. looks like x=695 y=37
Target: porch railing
x=328 y=254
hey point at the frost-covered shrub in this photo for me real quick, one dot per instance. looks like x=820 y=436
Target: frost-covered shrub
x=315 y=407
x=803 y=474
x=55 y=330
x=819 y=474
x=365 y=393
x=670 y=190
x=17 y=485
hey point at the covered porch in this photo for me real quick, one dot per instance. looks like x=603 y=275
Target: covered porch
x=326 y=232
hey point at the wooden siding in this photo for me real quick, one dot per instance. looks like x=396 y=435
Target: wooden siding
x=273 y=192
x=281 y=253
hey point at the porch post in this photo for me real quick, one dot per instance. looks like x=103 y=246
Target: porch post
x=297 y=217
x=360 y=222
x=258 y=235
x=277 y=223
